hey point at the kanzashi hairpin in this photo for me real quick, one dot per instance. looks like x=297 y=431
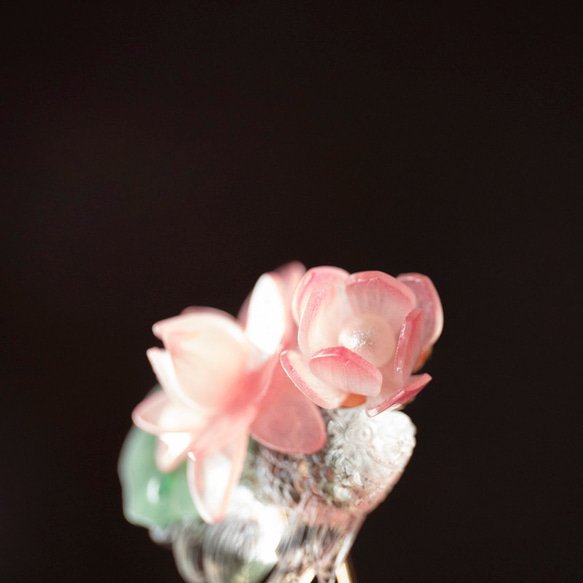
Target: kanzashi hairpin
x=272 y=435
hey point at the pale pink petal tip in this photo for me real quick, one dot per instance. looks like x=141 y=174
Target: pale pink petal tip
x=287 y=421
x=171 y=450
x=409 y=346
x=163 y=368
x=211 y=480
x=198 y=320
x=428 y=300
x=312 y=280
x=344 y=369
x=401 y=396
x=287 y=278
x=321 y=319
x=317 y=390
x=291 y=274
x=157 y=414
x=266 y=316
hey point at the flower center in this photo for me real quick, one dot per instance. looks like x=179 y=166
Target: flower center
x=370 y=337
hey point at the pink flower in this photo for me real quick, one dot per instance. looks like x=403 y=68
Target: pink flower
x=221 y=381
x=361 y=337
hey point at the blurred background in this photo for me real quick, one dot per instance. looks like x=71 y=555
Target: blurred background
x=157 y=155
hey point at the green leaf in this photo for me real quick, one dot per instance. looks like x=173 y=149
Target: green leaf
x=151 y=498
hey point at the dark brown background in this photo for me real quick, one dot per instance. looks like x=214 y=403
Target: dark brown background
x=162 y=154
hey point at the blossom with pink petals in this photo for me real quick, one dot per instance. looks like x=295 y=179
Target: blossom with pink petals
x=361 y=337
x=221 y=381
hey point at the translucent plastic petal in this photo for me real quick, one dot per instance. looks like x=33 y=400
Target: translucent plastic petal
x=197 y=320
x=322 y=318
x=207 y=365
x=409 y=346
x=312 y=280
x=171 y=450
x=399 y=397
x=158 y=414
x=238 y=416
x=346 y=370
x=290 y=274
x=267 y=314
x=161 y=362
x=211 y=479
x=287 y=421
x=374 y=292
x=428 y=300
x=220 y=431
x=242 y=315
x=317 y=390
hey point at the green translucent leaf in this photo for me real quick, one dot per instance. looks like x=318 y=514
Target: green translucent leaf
x=151 y=498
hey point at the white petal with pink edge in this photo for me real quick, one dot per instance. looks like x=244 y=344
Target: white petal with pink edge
x=163 y=368
x=409 y=345
x=267 y=314
x=211 y=479
x=310 y=282
x=317 y=390
x=196 y=320
x=171 y=450
x=158 y=414
x=287 y=277
x=287 y=421
x=344 y=369
x=375 y=292
x=207 y=365
x=322 y=319
x=428 y=300
x=399 y=397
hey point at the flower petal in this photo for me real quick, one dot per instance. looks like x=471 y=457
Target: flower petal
x=344 y=369
x=208 y=365
x=171 y=422
x=287 y=421
x=409 y=346
x=428 y=300
x=375 y=292
x=267 y=312
x=206 y=352
x=312 y=280
x=317 y=390
x=158 y=414
x=171 y=450
x=291 y=274
x=399 y=397
x=236 y=418
x=197 y=320
x=161 y=362
x=322 y=317
x=211 y=479
x=287 y=278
